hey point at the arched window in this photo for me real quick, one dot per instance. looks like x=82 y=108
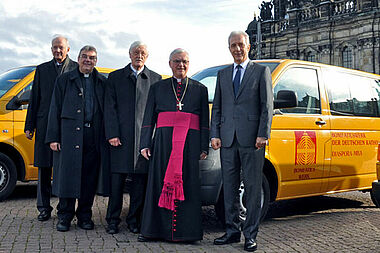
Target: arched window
x=347 y=57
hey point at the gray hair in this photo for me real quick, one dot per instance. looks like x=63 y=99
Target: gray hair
x=137 y=44
x=87 y=48
x=240 y=33
x=177 y=51
x=60 y=36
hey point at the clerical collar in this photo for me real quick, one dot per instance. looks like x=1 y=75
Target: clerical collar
x=178 y=79
x=137 y=72
x=85 y=75
x=243 y=64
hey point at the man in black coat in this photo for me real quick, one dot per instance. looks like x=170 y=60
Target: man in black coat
x=37 y=117
x=240 y=125
x=126 y=95
x=76 y=133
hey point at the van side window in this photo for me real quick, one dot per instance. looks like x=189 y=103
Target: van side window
x=351 y=94
x=304 y=82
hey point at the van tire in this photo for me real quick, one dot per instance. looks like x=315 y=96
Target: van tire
x=265 y=196
x=8 y=176
x=219 y=206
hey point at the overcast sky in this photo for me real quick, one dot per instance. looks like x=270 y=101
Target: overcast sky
x=199 y=26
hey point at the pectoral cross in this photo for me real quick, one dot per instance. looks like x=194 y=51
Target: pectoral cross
x=179 y=105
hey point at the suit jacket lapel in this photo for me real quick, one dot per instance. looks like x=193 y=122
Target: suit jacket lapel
x=247 y=76
x=229 y=72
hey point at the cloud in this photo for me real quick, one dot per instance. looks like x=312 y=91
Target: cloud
x=199 y=26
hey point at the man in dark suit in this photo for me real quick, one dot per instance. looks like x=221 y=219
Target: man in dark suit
x=126 y=95
x=75 y=133
x=240 y=125
x=37 y=118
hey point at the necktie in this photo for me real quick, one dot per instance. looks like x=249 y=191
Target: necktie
x=237 y=80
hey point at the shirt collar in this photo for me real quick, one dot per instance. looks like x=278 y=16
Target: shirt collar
x=243 y=65
x=135 y=71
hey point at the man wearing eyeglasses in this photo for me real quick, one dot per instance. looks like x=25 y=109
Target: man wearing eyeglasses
x=177 y=108
x=76 y=134
x=126 y=95
x=37 y=117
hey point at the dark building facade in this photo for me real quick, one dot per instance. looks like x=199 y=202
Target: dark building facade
x=338 y=32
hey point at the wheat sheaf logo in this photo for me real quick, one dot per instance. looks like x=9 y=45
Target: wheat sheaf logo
x=306 y=147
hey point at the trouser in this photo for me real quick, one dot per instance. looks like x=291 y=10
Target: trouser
x=136 y=194
x=89 y=179
x=44 y=189
x=247 y=162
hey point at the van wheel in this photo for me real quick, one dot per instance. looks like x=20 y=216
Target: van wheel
x=375 y=199
x=8 y=176
x=265 y=193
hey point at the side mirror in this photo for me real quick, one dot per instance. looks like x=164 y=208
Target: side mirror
x=285 y=99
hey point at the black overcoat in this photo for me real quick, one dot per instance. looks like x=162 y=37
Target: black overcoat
x=38 y=108
x=125 y=102
x=65 y=126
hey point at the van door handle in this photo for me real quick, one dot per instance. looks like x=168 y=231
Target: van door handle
x=320 y=122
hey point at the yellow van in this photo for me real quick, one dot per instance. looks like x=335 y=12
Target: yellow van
x=327 y=144
x=16 y=151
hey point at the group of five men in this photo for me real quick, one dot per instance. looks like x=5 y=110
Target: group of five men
x=95 y=131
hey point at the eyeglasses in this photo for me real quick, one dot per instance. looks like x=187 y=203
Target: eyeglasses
x=185 y=62
x=91 y=58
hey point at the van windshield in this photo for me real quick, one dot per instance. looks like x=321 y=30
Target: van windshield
x=208 y=76
x=11 y=77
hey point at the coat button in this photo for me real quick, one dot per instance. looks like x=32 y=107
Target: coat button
x=79 y=110
x=77 y=146
x=78 y=128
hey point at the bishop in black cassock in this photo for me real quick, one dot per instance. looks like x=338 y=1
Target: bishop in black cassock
x=177 y=108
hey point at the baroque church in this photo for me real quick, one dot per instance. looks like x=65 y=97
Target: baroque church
x=337 y=32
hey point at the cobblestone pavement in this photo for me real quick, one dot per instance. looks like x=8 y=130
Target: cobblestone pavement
x=346 y=222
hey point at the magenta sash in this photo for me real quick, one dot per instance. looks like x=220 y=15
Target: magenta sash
x=173 y=183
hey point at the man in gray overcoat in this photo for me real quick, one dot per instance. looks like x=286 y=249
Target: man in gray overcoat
x=76 y=132
x=37 y=118
x=126 y=95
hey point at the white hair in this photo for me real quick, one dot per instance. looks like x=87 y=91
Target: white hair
x=60 y=36
x=137 y=44
x=240 y=33
x=177 y=51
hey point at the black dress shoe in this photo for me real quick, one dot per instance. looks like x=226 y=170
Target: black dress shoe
x=142 y=238
x=227 y=239
x=250 y=245
x=44 y=215
x=86 y=224
x=63 y=226
x=133 y=228
x=112 y=229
